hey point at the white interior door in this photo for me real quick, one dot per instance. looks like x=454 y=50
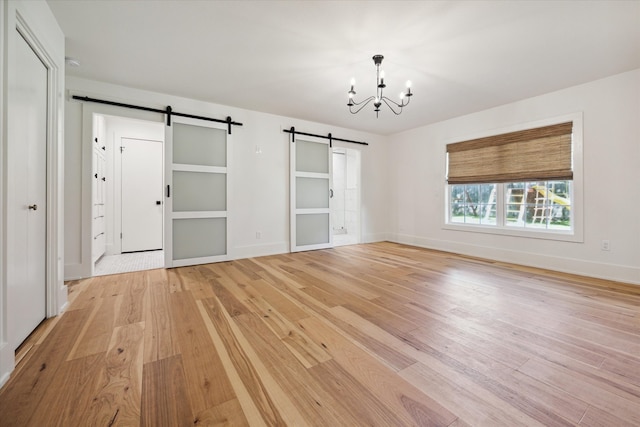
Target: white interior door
x=142 y=210
x=196 y=198
x=310 y=191
x=27 y=195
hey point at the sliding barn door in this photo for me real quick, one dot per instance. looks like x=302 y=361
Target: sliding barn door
x=310 y=194
x=196 y=192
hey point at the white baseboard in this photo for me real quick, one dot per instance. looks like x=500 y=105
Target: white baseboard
x=252 y=251
x=618 y=273
x=376 y=237
x=7 y=362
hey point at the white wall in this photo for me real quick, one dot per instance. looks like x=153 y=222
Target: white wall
x=611 y=164
x=259 y=157
x=41 y=29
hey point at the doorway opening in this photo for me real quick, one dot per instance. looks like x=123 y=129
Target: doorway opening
x=345 y=204
x=128 y=201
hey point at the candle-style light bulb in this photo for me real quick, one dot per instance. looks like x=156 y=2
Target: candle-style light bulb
x=353 y=82
x=408 y=84
x=401 y=95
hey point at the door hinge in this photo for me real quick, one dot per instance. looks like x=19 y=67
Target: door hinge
x=121 y=235
x=121 y=149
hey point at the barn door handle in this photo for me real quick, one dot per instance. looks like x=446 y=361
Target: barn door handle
x=33 y=207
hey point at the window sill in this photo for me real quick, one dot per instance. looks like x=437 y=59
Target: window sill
x=558 y=235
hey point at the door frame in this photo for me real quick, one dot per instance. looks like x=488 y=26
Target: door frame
x=88 y=111
x=359 y=185
x=47 y=41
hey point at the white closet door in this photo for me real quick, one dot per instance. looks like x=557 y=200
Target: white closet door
x=141 y=194
x=310 y=190
x=27 y=195
x=196 y=192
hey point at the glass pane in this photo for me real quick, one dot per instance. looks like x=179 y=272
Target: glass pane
x=199 y=191
x=312 y=193
x=199 y=237
x=312 y=229
x=515 y=200
x=199 y=145
x=312 y=157
x=559 y=195
x=473 y=204
x=457 y=203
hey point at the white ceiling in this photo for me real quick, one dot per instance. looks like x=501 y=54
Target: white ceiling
x=295 y=58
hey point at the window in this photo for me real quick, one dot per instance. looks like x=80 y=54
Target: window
x=540 y=205
x=513 y=183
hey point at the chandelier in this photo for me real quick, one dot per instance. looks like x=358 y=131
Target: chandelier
x=379 y=98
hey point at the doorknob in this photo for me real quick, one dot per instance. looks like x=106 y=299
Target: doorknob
x=330 y=193
x=33 y=207
x=158 y=202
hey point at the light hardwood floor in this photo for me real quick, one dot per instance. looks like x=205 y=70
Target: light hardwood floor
x=379 y=334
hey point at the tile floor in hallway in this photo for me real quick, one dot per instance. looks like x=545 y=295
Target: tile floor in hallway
x=125 y=263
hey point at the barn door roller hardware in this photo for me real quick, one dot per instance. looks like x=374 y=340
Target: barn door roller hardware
x=167 y=111
x=331 y=138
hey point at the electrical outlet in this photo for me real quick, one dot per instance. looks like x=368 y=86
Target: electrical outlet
x=258 y=235
x=605 y=246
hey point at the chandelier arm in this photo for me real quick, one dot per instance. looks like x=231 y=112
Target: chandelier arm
x=364 y=102
x=387 y=100
x=400 y=105
x=361 y=104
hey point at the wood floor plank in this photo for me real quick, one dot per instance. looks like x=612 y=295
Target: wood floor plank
x=118 y=391
x=276 y=408
x=207 y=382
x=603 y=396
x=78 y=377
x=529 y=397
x=164 y=389
x=366 y=407
x=227 y=414
x=304 y=349
x=470 y=401
x=23 y=392
x=317 y=405
x=160 y=334
x=132 y=307
x=234 y=359
x=376 y=334
x=96 y=333
x=409 y=403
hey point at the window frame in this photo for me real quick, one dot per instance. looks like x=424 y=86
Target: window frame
x=577 y=202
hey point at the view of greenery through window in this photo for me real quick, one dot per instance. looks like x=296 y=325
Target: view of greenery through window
x=532 y=205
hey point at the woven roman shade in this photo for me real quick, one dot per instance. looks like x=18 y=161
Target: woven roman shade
x=537 y=154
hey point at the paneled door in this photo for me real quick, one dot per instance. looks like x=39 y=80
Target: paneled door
x=195 y=192
x=141 y=182
x=310 y=192
x=27 y=195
